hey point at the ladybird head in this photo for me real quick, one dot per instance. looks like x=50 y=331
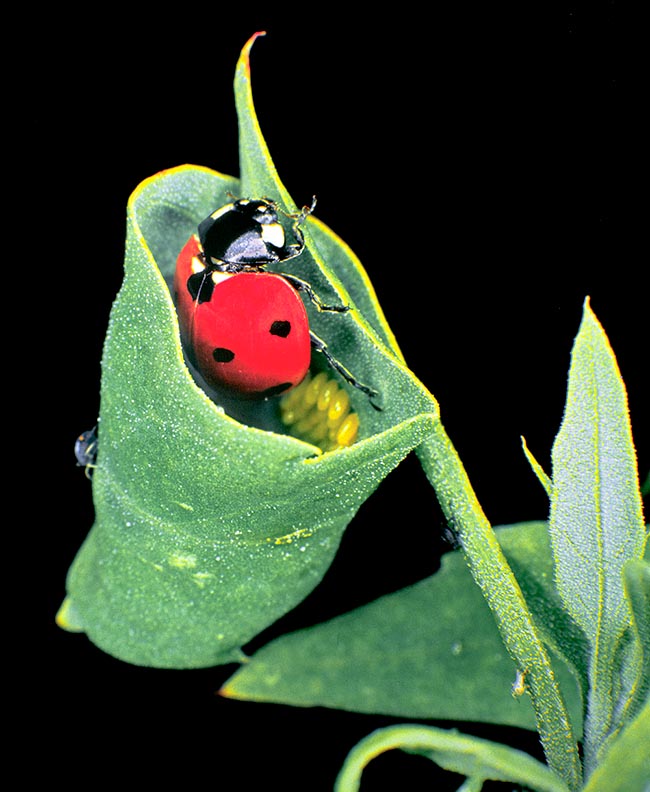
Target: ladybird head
x=264 y=212
x=247 y=235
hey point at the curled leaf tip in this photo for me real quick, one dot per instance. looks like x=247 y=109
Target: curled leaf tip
x=245 y=53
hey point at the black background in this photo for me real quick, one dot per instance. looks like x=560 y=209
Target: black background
x=484 y=163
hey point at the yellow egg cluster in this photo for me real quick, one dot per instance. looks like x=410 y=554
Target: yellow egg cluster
x=318 y=411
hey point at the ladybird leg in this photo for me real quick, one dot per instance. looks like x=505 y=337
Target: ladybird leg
x=302 y=286
x=320 y=346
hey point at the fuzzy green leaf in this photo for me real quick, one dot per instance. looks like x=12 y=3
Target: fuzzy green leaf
x=626 y=765
x=431 y=650
x=637 y=588
x=596 y=522
x=207 y=529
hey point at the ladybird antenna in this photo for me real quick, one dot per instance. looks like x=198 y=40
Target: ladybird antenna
x=306 y=211
x=300 y=217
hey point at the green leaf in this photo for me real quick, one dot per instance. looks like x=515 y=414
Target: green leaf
x=626 y=765
x=544 y=479
x=208 y=529
x=596 y=522
x=637 y=589
x=431 y=650
x=480 y=760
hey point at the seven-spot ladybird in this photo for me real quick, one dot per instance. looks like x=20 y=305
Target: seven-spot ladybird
x=245 y=329
x=85 y=449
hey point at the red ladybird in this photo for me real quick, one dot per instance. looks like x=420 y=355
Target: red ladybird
x=246 y=330
x=251 y=336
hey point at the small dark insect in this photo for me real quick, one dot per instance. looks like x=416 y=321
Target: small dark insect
x=85 y=449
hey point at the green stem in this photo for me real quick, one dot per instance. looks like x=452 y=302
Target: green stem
x=501 y=590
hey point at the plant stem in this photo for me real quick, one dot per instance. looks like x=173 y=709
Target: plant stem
x=494 y=577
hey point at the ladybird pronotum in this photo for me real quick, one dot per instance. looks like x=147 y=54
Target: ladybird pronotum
x=318 y=411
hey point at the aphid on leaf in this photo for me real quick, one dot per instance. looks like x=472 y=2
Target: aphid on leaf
x=519 y=685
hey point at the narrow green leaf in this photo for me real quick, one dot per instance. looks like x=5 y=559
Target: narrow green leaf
x=544 y=478
x=626 y=765
x=207 y=529
x=480 y=760
x=431 y=650
x=596 y=523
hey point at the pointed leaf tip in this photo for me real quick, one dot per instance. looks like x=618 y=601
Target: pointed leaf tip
x=544 y=478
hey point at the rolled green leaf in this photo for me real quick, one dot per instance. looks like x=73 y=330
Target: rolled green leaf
x=207 y=528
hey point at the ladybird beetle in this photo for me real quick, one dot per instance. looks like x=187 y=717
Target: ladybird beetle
x=245 y=329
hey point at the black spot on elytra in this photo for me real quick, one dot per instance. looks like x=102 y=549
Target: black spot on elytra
x=223 y=355
x=280 y=328
x=276 y=390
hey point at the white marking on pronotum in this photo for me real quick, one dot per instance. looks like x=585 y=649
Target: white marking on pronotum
x=273 y=234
